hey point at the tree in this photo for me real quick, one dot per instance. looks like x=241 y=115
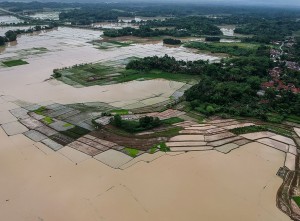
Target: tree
x=117 y=121
x=2 y=41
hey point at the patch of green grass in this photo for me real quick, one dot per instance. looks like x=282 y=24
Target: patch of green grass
x=75 y=132
x=258 y=128
x=131 y=75
x=274 y=118
x=163 y=147
x=293 y=118
x=172 y=120
x=249 y=129
x=132 y=152
x=100 y=74
x=297 y=200
x=40 y=111
x=196 y=116
x=153 y=149
x=171 y=132
x=48 y=120
x=67 y=125
x=279 y=130
x=12 y=63
x=120 y=44
x=232 y=48
x=120 y=112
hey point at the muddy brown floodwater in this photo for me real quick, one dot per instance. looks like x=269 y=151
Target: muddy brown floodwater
x=39 y=184
x=209 y=185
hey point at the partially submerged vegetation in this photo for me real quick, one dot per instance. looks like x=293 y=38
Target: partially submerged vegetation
x=172 y=41
x=234 y=49
x=265 y=127
x=102 y=74
x=228 y=87
x=177 y=27
x=131 y=152
x=12 y=63
x=12 y=35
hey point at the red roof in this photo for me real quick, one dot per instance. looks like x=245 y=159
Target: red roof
x=268 y=84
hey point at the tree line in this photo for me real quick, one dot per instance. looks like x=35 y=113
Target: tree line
x=229 y=87
x=12 y=35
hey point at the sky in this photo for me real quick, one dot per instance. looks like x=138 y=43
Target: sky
x=289 y=3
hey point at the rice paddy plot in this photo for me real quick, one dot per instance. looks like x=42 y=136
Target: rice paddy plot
x=224 y=141
x=12 y=63
x=59 y=112
x=61 y=125
x=20 y=113
x=274 y=144
x=185 y=149
x=113 y=158
x=62 y=139
x=90 y=74
x=91 y=151
x=227 y=148
x=52 y=144
x=6 y=117
x=46 y=131
x=35 y=135
x=14 y=128
x=75 y=132
x=21 y=103
x=73 y=155
x=31 y=123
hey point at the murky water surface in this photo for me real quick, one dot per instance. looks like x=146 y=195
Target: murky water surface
x=8 y=19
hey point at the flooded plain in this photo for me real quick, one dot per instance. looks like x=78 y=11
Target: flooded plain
x=40 y=184
x=8 y=19
x=46 y=15
x=208 y=187
x=65 y=47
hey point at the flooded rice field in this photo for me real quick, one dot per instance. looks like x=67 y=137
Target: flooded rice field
x=139 y=19
x=7 y=28
x=8 y=19
x=208 y=187
x=65 y=47
x=113 y=25
x=79 y=182
x=46 y=15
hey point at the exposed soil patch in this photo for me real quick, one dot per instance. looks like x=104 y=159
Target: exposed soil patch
x=140 y=142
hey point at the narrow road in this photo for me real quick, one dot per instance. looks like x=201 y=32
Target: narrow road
x=281 y=53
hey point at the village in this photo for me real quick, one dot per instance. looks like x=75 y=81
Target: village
x=276 y=73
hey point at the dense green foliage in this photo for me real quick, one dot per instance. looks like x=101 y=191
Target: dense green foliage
x=172 y=120
x=258 y=128
x=144 y=123
x=267 y=30
x=168 y=64
x=249 y=129
x=172 y=41
x=229 y=86
x=235 y=49
x=177 y=27
x=213 y=39
x=90 y=15
x=145 y=31
x=193 y=25
x=2 y=40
